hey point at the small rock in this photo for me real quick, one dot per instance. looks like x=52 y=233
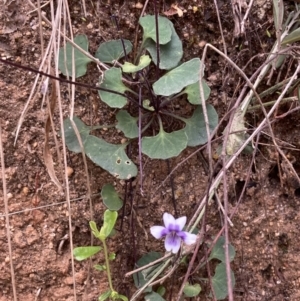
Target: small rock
x=69 y=171
x=25 y=190
x=139 y=5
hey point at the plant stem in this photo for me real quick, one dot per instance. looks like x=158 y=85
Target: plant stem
x=107 y=265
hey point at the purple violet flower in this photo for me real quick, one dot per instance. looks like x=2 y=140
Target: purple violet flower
x=173 y=233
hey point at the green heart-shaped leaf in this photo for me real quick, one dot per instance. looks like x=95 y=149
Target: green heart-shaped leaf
x=82 y=253
x=193 y=92
x=164 y=145
x=143 y=63
x=111 y=51
x=175 y=80
x=110 y=157
x=195 y=128
x=141 y=278
x=127 y=124
x=113 y=81
x=218 y=251
x=170 y=54
x=192 y=290
x=80 y=60
x=149 y=28
x=70 y=136
x=219 y=281
x=154 y=297
x=111 y=198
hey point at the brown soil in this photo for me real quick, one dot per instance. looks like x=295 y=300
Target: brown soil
x=266 y=224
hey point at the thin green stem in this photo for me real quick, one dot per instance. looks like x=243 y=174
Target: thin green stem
x=107 y=265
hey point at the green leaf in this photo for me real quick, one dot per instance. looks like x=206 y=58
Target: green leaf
x=82 y=253
x=195 y=128
x=193 y=92
x=122 y=297
x=109 y=221
x=104 y=296
x=218 y=251
x=94 y=228
x=81 y=60
x=146 y=105
x=111 y=51
x=112 y=256
x=143 y=63
x=278 y=12
x=175 y=80
x=70 y=136
x=170 y=53
x=111 y=198
x=294 y=36
x=100 y=267
x=140 y=278
x=161 y=290
x=113 y=81
x=164 y=145
x=149 y=28
x=154 y=297
x=219 y=281
x=127 y=124
x=192 y=290
x=110 y=157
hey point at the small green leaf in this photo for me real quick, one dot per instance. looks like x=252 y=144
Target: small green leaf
x=81 y=60
x=112 y=256
x=127 y=124
x=294 y=36
x=170 y=53
x=161 y=290
x=154 y=297
x=109 y=221
x=110 y=157
x=94 y=228
x=82 y=253
x=111 y=51
x=122 y=297
x=70 y=135
x=140 y=278
x=218 y=251
x=164 y=145
x=104 y=296
x=149 y=28
x=143 y=63
x=195 y=128
x=192 y=290
x=146 y=105
x=176 y=79
x=113 y=81
x=193 y=92
x=100 y=267
x=111 y=198
x=219 y=281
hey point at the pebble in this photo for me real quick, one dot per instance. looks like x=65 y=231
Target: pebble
x=25 y=190
x=139 y=5
x=70 y=171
